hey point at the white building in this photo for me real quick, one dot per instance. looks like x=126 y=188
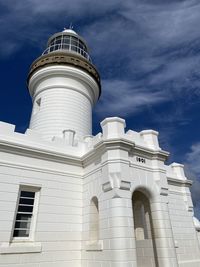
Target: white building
x=70 y=199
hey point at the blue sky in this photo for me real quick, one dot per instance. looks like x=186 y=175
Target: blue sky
x=148 y=55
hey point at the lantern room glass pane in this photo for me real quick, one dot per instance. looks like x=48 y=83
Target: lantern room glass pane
x=68 y=43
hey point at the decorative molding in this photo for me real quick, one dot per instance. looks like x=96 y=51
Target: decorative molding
x=152 y=153
x=64 y=58
x=20 y=247
x=41 y=170
x=178 y=182
x=114 y=143
x=125 y=185
x=94 y=246
x=190 y=208
x=31 y=149
x=164 y=191
x=146 y=167
x=107 y=186
x=173 y=192
x=39 y=153
x=176 y=245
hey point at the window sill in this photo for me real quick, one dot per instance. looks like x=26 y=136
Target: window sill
x=20 y=247
x=94 y=246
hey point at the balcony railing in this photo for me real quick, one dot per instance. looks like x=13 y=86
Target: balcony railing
x=68 y=48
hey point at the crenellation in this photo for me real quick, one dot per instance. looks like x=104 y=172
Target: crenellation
x=178 y=170
x=113 y=127
x=150 y=138
x=6 y=128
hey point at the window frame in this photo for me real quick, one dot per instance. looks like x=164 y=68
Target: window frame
x=32 y=228
x=37 y=105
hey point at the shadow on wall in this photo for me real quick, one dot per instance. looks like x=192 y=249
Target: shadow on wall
x=144 y=233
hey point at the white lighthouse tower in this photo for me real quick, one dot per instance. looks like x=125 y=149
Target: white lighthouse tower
x=64 y=86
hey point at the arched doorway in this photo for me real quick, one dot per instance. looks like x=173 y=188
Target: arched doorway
x=144 y=234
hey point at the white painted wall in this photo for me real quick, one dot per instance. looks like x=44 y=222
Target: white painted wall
x=57 y=237
x=186 y=242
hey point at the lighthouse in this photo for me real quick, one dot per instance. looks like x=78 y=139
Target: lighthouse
x=64 y=86
x=72 y=198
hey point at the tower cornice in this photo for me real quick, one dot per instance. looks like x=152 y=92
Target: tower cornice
x=64 y=58
x=53 y=71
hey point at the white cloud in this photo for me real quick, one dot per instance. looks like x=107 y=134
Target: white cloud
x=163 y=23
x=193 y=158
x=122 y=98
x=156 y=40
x=183 y=75
x=127 y=38
x=169 y=23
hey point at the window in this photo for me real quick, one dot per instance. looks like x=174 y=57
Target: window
x=69 y=43
x=37 y=106
x=26 y=210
